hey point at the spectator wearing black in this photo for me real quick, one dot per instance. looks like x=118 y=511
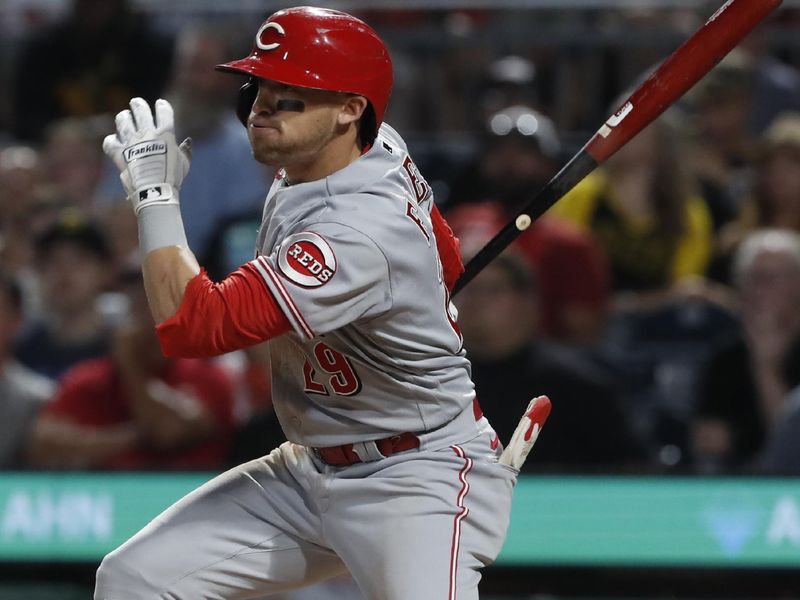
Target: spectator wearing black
x=587 y=429
x=777 y=83
x=510 y=80
x=73 y=265
x=745 y=385
x=22 y=392
x=91 y=62
x=781 y=452
x=519 y=153
x=134 y=409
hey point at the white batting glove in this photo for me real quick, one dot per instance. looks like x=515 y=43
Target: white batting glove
x=152 y=165
x=526 y=433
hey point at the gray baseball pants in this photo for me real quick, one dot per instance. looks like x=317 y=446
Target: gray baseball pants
x=416 y=525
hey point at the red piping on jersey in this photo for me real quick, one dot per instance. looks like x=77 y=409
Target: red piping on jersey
x=476 y=409
x=215 y=318
x=268 y=273
x=463 y=512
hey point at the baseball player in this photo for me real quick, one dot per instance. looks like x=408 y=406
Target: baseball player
x=390 y=472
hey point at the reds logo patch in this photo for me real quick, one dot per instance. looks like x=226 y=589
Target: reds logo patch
x=307 y=259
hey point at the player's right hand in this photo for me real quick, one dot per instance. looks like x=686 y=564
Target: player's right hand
x=152 y=165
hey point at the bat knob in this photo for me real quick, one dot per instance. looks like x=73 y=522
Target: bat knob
x=538 y=411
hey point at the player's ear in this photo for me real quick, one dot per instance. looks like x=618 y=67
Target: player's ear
x=352 y=108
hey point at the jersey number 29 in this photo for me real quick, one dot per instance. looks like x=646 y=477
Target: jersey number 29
x=339 y=376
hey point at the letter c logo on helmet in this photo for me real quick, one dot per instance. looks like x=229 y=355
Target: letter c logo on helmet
x=325 y=50
x=259 y=36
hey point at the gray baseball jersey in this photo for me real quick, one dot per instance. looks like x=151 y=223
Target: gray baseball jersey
x=352 y=261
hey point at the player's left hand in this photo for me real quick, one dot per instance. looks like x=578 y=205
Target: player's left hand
x=152 y=165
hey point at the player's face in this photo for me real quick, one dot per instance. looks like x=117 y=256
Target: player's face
x=291 y=125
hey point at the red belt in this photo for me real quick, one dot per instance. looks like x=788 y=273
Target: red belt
x=341 y=456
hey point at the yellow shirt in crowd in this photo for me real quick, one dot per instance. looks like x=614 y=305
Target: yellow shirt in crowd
x=631 y=243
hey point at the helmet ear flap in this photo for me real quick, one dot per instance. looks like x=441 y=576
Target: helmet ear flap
x=247 y=95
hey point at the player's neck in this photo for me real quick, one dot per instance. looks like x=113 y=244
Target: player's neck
x=336 y=155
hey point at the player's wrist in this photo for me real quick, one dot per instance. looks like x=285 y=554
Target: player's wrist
x=160 y=225
x=153 y=194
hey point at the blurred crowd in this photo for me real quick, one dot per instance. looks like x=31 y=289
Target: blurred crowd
x=658 y=303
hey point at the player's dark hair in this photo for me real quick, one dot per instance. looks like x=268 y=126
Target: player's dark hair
x=367 y=127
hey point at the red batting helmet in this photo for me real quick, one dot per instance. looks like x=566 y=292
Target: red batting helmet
x=322 y=49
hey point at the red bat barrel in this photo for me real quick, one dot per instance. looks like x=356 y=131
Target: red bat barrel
x=685 y=67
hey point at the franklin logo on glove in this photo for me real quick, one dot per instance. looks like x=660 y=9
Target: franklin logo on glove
x=145 y=149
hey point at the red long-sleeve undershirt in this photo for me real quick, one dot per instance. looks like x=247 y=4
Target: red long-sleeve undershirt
x=448 y=247
x=215 y=318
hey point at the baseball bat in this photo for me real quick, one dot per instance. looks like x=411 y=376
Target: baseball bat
x=679 y=72
x=526 y=433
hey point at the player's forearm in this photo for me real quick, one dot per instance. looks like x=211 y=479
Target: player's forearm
x=166 y=272
x=215 y=318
